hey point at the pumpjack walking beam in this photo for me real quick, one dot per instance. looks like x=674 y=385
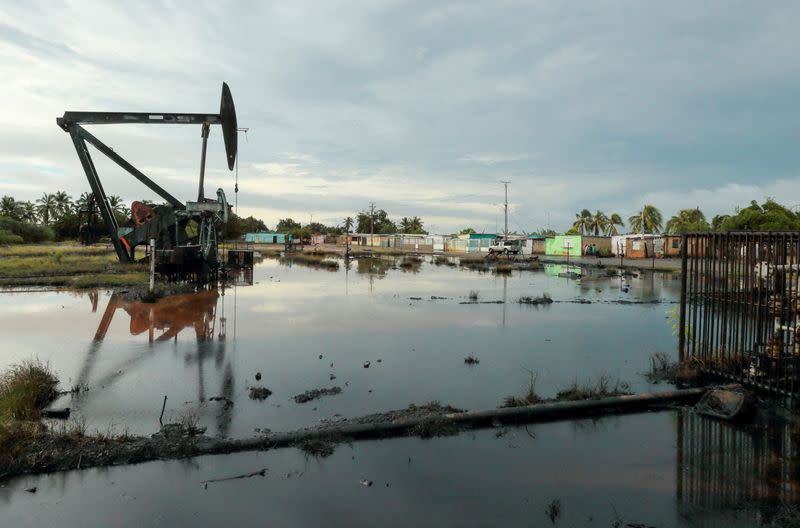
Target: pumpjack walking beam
x=71 y=122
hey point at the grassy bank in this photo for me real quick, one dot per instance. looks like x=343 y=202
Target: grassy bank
x=66 y=265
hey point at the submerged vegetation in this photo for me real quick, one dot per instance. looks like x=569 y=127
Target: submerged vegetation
x=529 y=398
x=543 y=299
x=25 y=389
x=663 y=368
x=603 y=387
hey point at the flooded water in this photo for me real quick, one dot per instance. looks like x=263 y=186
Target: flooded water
x=195 y=347
x=304 y=328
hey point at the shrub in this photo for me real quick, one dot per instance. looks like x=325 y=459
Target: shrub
x=25 y=389
x=27 y=232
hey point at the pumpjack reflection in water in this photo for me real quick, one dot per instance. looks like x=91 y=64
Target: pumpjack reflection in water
x=163 y=321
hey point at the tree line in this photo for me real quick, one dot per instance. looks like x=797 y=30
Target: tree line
x=769 y=216
x=58 y=216
x=364 y=222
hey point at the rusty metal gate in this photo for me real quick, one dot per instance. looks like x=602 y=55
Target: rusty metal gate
x=739 y=307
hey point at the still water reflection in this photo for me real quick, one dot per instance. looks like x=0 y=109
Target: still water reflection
x=304 y=328
x=666 y=469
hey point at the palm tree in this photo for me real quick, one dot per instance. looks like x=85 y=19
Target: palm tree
x=416 y=225
x=83 y=202
x=582 y=221
x=348 y=224
x=687 y=220
x=63 y=203
x=47 y=208
x=9 y=207
x=597 y=223
x=613 y=221
x=116 y=204
x=405 y=225
x=648 y=220
x=27 y=212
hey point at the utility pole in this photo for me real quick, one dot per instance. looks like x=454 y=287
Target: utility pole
x=505 y=206
x=371 y=222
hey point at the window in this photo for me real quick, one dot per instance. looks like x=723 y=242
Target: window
x=675 y=243
x=636 y=245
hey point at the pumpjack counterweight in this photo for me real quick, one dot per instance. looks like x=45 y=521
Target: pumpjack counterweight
x=185 y=233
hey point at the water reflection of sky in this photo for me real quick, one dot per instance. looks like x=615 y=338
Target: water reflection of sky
x=192 y=348
x=662 y=469
x=666 y=469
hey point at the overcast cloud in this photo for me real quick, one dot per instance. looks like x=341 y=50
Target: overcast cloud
x=421 y=107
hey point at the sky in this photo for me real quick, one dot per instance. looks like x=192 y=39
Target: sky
x=420 y=107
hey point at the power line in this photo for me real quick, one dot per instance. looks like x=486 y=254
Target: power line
x=371 y=222
x=505 y=206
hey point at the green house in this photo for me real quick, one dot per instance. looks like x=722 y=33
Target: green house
x=563 y=245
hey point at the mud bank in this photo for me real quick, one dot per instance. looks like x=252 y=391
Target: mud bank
x=49 y=452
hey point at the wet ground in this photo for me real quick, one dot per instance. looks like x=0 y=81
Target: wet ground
x=203 y=351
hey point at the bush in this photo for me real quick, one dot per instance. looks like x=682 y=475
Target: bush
x=25 y=389
x=27 y=232
x=7 y=237
x=67 y=227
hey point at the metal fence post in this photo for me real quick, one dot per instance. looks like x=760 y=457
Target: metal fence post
x=682 y=321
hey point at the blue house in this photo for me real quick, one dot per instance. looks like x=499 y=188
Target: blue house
x=264 y=237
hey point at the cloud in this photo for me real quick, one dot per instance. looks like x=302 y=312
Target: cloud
x=419 y=107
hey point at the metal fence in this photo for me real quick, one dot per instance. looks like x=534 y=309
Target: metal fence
x=739 y=307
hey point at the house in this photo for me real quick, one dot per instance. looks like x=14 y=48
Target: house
x=601 y=244
x=672 y=246
x=644 y=246
x=563 y=245
x=266 y=237
x=573 y=245
x=481 y=242
x=534 y=245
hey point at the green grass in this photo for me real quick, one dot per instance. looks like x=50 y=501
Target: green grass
x=39 y=250
x=66 y=265
x=25 y=389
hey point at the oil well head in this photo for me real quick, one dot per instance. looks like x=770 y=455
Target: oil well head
x=185 y=232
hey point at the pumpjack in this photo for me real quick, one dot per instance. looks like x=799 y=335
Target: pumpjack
x=185 y=233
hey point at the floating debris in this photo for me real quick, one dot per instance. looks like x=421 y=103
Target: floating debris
x=60 y=414
x=259 y=393
x=259 y=473
x=554 y=510
x=258 y=376
x=544 y=299
x=316 y=393
x=471 y=360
